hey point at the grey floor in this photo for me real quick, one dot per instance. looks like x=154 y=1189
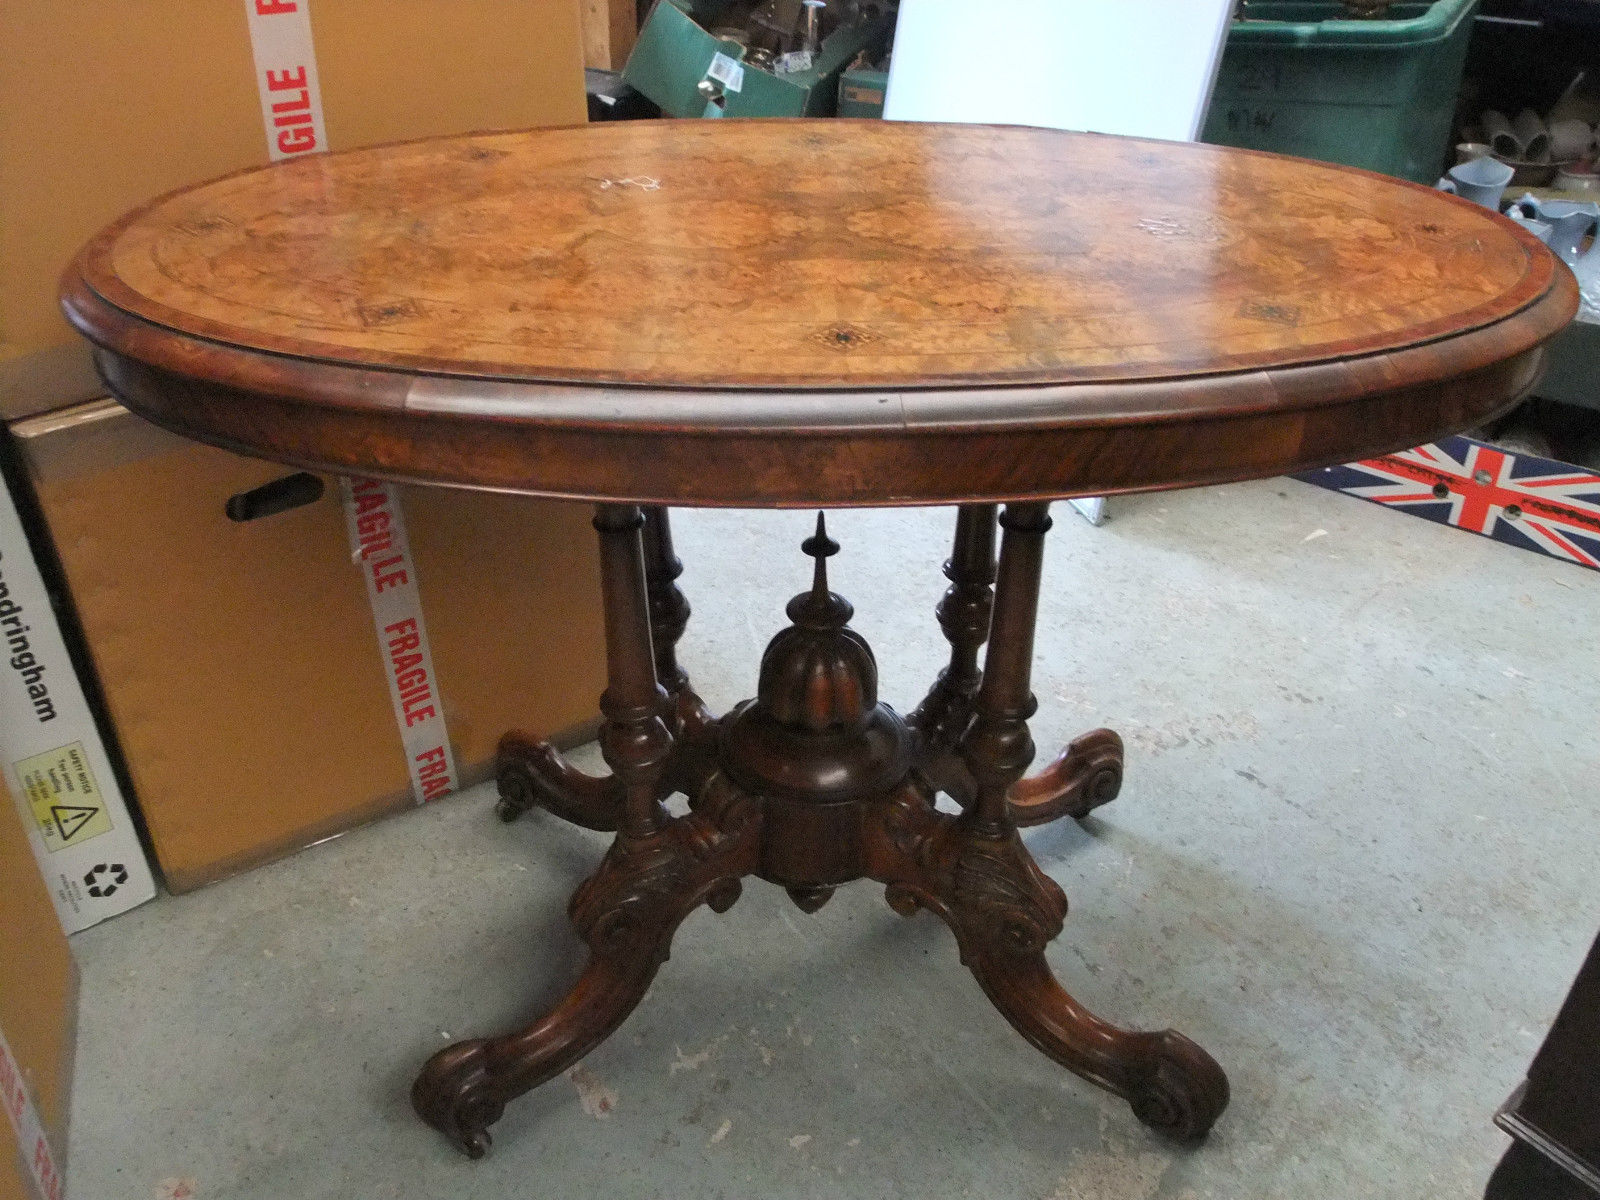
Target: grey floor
x=1354 y=858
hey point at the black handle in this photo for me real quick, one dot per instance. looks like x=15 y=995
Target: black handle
x=292 y=491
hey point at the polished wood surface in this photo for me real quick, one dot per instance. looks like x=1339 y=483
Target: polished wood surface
x=680 y=254
x=817 y=306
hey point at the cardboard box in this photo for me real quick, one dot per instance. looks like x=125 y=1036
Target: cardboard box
x=38 y=1018
x=239 y=658
x=52 y=755
x=105 y=106
x=240 y=661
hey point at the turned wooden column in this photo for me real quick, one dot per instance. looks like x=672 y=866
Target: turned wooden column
x=669 y=608
x=997 y=747
x=963 y=613
x=634 y=741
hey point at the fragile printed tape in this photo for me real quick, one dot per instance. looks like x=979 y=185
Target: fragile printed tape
x=378 y=543
x=31 y=1141
x=291 y=112
x=286 y=77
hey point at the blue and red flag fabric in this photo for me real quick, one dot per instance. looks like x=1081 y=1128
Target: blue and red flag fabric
x=1533 y=503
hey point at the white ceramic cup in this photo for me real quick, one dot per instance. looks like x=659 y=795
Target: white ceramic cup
x=1482 y=181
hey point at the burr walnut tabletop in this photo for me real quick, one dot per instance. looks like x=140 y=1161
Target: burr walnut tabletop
x=827 y=313
x=867 y=312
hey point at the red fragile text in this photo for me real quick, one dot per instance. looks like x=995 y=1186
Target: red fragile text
x=11 y=1094
x=375 y=535
x=292 y=116
x=15 y=1101
x=44 y=1170
x=433 y=773
x=410 y=676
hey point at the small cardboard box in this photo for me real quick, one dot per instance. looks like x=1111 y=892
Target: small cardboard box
x=38 y=1021
x=52 y=755
x=239 y=658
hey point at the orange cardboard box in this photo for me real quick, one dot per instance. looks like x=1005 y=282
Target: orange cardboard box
x=239 y=659
x=105 y=106
x=38 y=1015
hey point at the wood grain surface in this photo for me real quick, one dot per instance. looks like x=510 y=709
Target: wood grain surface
x=833 y=282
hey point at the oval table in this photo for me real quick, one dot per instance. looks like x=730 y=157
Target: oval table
x=828 y=313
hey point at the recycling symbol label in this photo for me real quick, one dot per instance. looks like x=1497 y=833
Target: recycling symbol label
x=103 y=879
x=63 y=796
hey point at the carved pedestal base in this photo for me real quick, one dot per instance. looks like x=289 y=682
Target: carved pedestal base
x=1003 y=911
x=811 y=785
x=626 y=912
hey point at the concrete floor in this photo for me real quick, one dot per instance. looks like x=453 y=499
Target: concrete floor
x=1354 y=858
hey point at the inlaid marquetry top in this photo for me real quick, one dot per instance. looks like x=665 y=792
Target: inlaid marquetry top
x=811 y=278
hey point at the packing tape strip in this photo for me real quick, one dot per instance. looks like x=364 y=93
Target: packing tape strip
x=291 y=112
x=32 y=1143
x=286 y=77
x=379 y=544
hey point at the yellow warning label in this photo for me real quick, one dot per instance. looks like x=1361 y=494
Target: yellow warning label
x=62 y=793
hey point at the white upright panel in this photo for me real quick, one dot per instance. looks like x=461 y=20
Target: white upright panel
x=1139 y=67
x=52 y=756
x=1142 y=68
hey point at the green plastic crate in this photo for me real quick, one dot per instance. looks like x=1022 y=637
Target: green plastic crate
x=861 y=92
x=1302 y=77
x=676 y=52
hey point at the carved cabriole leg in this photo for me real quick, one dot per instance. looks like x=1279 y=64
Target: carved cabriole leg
x=974 y=872
x=657 y=871
x=627 y=912
x=693 y=726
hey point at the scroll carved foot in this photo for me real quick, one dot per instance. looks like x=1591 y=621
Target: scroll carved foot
x=536 y=775
x=1004 y=910
x=627 y=912
x=1087 y=774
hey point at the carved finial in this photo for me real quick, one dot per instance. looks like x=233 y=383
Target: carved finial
x=818 y=674
x=820 y=608
x=820 y=547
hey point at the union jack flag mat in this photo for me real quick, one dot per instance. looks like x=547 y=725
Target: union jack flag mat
x=1534 y=503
